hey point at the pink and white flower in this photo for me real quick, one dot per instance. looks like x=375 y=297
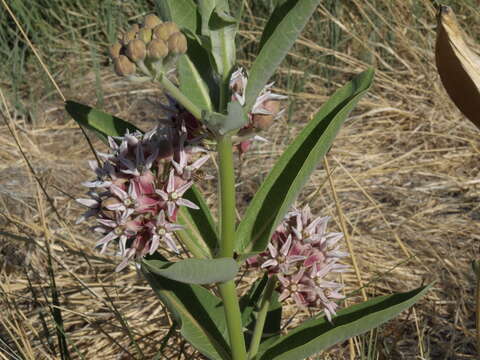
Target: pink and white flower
x=303 y=255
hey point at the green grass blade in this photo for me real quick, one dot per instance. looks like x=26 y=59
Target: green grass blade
x=295 y=165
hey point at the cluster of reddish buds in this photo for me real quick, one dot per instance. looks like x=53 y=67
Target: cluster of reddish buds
x=265 y=110
x=151 y=47
x=302 y=255
x=139 y=189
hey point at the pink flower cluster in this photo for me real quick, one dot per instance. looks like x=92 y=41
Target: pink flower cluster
x=302 y=254
x=138 y=190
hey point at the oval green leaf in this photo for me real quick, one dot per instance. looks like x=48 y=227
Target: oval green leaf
x=195 y=271
x=102 y=124
x=193 y=85
x=293 y=168
x=318 y=334
x=281 y=34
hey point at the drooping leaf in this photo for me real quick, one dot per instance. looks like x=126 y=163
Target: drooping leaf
x=101 y=123
x=293 y=168
x=198 y=312
x=458 y=66
x=318 y=334
x=181 y=12
x=280 y=37
x=193 y=85
x=195 y=271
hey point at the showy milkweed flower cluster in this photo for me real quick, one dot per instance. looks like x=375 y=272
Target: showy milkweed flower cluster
x=139 y=189
x=302 y=255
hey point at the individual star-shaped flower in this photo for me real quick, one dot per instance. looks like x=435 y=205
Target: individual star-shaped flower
x=173 y=195
x=163 y=230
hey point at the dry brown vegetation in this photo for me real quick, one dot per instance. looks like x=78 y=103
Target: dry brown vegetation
x=405 y=169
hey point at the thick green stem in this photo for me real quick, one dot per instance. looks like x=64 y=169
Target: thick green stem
x=227 y=235
x=175 y=92
x=261 y=317
x=227 y=196
x=228 y=293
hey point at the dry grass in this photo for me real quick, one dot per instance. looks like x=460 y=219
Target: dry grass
x=404 y=168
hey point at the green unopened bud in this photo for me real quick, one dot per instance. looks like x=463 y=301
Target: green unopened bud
x=114 y=50
x=128 y=36
x=157 y=49
x=165 y=30
x=151 y=21
x=177 y=43
x=123 y=66
x=136 y=50
x=145 y=35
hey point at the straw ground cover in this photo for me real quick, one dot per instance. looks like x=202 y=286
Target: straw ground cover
x=403 y=174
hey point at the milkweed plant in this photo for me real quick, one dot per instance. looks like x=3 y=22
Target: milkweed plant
x=146 y=208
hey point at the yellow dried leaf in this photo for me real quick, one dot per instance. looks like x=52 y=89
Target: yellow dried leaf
x=458 y=65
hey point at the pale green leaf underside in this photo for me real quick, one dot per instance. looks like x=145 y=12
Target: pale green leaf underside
x=276 y=47
x=195 y=271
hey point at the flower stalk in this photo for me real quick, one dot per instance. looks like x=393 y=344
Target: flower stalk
x=227 y=242
x=262 y=316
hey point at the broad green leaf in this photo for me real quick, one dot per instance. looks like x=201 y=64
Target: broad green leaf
x=218 y=32
x=195 y=271
x=282 y=8
x=276 y=45
x=294 y=167
x=181 y=12
x=205 y=65
x=198 y=312
x=101 y=123
x=193 y=85
x=199 y=223
x=318 y=334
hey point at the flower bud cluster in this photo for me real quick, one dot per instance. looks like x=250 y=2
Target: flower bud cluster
x=152 y=47
x=302 y=255
x=138 y=190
